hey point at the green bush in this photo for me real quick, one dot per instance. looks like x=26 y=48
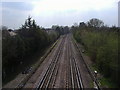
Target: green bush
x=29 y=40
x=102 y=47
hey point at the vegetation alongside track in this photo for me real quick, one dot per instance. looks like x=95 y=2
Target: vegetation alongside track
x=30 y=39
x=101 y=44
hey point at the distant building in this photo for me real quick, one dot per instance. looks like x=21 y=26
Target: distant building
x=8 y=33
x=119 y=14
x=11 y=32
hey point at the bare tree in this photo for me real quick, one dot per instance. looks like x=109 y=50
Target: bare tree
x=95 y=23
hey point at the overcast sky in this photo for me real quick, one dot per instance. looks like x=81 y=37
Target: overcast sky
x=58 y=12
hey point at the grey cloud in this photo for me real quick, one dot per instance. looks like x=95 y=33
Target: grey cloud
x=17 y=5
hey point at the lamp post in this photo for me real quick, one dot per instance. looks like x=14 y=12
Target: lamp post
x=95 y=74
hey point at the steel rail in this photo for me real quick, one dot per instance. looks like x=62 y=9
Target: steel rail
x=71 y=69
x=76 y=69
x=52 y=65
x=88 y=69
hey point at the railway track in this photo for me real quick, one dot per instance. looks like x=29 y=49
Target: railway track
x=62 y=68
x=68 y=68
x=50 y=74
x=73 y=76
x=76 y=81
x=96 y=87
